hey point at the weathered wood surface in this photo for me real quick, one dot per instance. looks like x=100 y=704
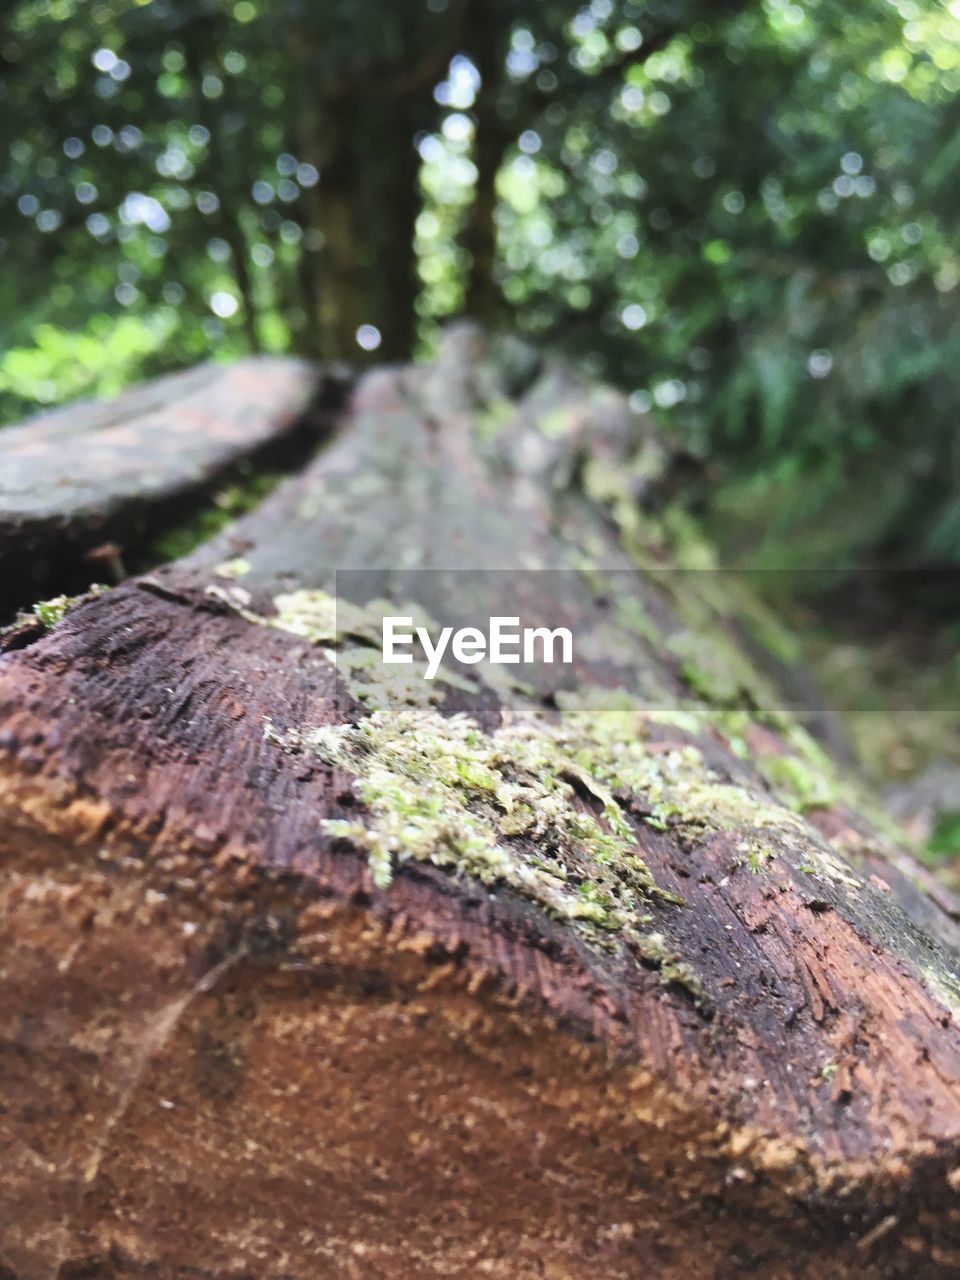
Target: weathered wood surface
x=80 y=476
x=225 y=1051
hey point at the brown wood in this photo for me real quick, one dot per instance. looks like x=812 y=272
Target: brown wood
x=226 y=1052
x=79 y=477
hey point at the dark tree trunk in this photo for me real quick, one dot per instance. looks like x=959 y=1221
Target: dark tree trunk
x=391 y=203
x=651 y=991
x=226 y=176
x=365 y=270
x=239 y=255
x=339 y=274
x=488 y=43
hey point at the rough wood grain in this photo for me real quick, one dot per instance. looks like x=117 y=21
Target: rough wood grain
x=227 y=1052
x=92 y=473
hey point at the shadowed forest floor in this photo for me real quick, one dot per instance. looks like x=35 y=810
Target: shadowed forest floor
x=893 y=679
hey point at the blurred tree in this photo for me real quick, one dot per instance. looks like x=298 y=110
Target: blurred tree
x=177 y=162
x=743 y=212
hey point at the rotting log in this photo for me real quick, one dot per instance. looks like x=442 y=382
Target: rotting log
x=83 y=488
x=310 y=977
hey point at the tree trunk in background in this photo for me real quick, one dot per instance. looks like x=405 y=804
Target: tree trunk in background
x=328 y=273
x=487 y=41
x=391 y=203
x=225 y=175
x=365 y=270
x=233 y=233
x=338 y=275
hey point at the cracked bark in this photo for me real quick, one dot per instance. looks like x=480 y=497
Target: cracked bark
x=225 y=1051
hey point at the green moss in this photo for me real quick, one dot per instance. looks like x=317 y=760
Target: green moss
x=49 y=613
x=311 y=614
x=352 y=635
x=613 y=486
x=763 y=624
x=655 y=949
x=635 y=618
x=603 y=741
x=798 y=784
x=944 y=839
x=599 y=743
x=540 y=805
x=323 y=618
x=238 y=567
x=677 y=787
x=502 y=808
x=703 y=668
x=443 y=790
x=755 y=854
x=494 y=417
x=229 y=503
x=549 y=804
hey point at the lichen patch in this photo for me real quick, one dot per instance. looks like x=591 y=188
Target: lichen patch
x=504 y=808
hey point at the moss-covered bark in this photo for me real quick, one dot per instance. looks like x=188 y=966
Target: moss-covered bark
x=640 y=942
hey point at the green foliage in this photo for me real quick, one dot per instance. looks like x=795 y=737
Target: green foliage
x=98 y=359
x=944 y=841
x=753 y=229
x=232 y=501
x=741 y=211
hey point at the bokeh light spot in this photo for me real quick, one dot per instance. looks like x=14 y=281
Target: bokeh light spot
x=369 y=337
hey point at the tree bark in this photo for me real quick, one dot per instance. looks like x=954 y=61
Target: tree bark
x=233 y=233
x=390 y=208
x=87 y=475
x=488 y=42
x=695 y=1019
x=340 y=285
x=365 y=271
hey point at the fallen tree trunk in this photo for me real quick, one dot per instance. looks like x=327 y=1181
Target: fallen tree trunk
x=84 y=488
x=312 y=972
